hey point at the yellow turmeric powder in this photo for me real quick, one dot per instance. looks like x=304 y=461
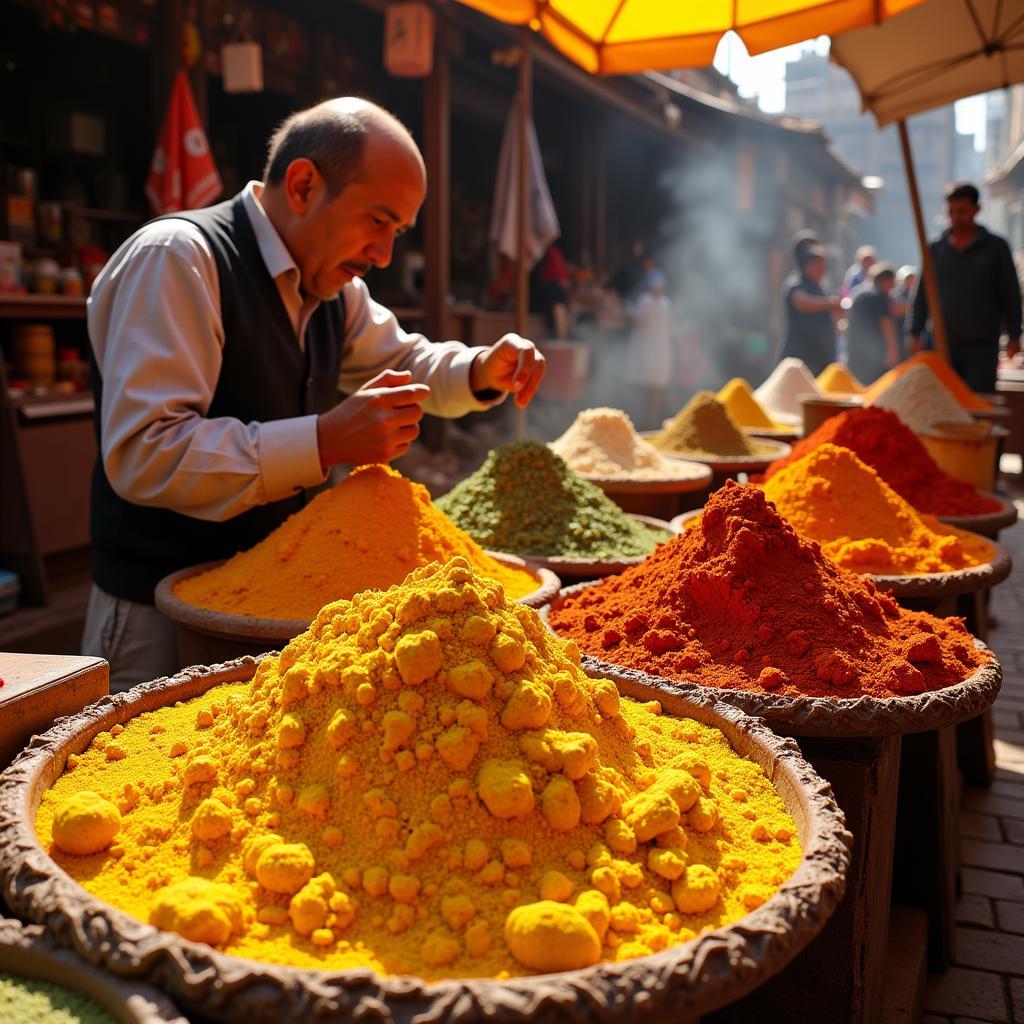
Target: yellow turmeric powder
x=837 y=379
x=738 y=398
x=426 y=782
x=367 y=533
x=861 y=523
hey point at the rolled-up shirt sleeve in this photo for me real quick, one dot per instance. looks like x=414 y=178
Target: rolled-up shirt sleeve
x=374 y=341
x=154 y=322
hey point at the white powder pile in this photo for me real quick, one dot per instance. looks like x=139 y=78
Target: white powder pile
x=920 y=399
x=778 y=394
x=604 y=443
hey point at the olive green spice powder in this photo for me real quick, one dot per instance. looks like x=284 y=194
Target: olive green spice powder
x=525 y=500
x=26 y=1001
x=704 y=429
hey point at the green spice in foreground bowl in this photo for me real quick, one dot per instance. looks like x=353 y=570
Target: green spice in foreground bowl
x=525 y=500
x=26 y=1001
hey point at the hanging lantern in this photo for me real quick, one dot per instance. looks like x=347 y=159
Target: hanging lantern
x=242 y=59
x=409 y=40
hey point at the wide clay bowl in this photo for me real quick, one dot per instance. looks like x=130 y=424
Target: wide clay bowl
x=836 y=717
x=680 y=983
x=207 y=637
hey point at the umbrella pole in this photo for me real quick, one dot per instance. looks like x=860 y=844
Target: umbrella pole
x=928 y=279
x=524 y=103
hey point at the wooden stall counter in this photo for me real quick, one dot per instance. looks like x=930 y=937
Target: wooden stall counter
x=38 y=688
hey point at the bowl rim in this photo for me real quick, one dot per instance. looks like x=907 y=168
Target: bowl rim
x=230 y=626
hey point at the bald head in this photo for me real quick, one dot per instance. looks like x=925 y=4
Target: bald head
x=338 y=136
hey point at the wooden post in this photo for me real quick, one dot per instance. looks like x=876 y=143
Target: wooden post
x=524 y=104
x=436 y=225
x=839 y=976
x=436 y=147
x=928 y=279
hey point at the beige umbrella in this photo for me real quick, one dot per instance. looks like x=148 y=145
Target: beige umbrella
x=924 y=57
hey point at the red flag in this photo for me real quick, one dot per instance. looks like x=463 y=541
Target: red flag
x=182 y=175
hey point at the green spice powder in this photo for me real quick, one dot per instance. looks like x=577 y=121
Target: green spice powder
x=704 y=428
x=525 y=500
x=26 y=1001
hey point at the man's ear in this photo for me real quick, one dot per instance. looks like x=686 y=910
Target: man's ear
x=302 y=183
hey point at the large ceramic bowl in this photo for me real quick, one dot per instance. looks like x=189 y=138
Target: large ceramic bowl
x=845 y=717
x=208 y=637
x=28 y=951
x=680 y=983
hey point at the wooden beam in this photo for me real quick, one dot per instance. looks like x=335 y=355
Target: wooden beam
x=437 y=155
x=928 y=278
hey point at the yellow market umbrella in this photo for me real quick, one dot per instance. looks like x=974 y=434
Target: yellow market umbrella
x=618 y=37
x=933 y=54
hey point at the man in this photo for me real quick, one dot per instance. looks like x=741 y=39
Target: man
x=221 y=338
x=871 y=337
x=809 y=328
x=978 y=289
x=857 y=273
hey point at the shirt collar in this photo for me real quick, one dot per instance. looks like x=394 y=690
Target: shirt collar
x=273 y=250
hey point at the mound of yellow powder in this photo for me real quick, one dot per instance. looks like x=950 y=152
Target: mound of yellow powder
x=861 y=523
x=604 y=442
x=738 y=398
x=426 y=782
x=367 y=533
x=837 y=379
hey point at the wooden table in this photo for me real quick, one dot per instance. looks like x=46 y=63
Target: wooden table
x=38 y=688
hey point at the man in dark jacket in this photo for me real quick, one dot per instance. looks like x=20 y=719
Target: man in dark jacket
x=978 y=289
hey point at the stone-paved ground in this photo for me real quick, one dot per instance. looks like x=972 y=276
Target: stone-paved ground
x=987 y=981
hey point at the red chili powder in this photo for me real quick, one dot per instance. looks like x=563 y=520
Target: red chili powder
x=740 y=601
x=882 y=440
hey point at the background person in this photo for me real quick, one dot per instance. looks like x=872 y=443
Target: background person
x=978 y=290
x=872 y=341
x=809 y=331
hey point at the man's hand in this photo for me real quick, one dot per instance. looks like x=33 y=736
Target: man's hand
x=511 y=364
x=377 y=423
x=1012 y=347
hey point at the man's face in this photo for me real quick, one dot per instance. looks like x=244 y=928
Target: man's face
x=867 y=262
x=814 y=268
x=884 y=283
x=962 y=213
x=338 y=238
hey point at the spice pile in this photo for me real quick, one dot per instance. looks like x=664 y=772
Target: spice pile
x=952 y=381
x=837 y=379
x=367 y=533
x=881 y=439
x=738 y=398
x=524 y=499
x=861 y=523
x=423 y=783
x=741 y=601
x=920 y=399
x=27 y=1001
x=779 y=393
x=703 y=429
x=604 y=443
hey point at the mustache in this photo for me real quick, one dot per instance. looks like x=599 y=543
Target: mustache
x=357 y=268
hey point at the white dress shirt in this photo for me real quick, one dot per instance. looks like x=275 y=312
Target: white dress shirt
x=155 y=326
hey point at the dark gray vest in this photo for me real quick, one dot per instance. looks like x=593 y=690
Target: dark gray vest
x=265 y=376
